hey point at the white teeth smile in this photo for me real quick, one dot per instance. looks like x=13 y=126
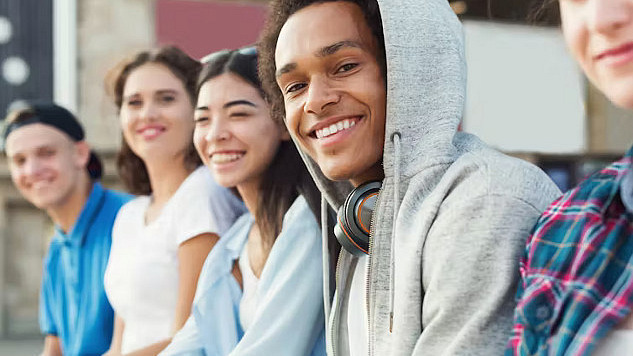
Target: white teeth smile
x=150 y=132
x=226 y=157
x=334 y=128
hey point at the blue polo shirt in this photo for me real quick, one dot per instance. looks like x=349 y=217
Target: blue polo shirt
x=73 y=303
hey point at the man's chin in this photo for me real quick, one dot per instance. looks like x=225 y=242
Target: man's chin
x=338 y=175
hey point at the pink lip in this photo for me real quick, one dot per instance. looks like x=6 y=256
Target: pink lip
x=617 y=56
x=150 y=132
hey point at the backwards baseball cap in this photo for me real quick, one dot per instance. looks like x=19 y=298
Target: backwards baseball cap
x=58 y=117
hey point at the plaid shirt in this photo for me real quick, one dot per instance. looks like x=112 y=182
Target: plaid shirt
x=576 y=277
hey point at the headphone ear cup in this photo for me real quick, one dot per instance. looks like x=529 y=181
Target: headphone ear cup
x=354 y=244
x=354 y=218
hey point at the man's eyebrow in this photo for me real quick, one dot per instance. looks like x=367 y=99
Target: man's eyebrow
x=333 y=48
x=321 y=52
x=286 y=69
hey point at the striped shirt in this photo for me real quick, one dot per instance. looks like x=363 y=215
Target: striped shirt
x=576 y=275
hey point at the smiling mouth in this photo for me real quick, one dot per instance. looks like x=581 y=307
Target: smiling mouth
x=151 y=132
x=334 y=128
x=222 y=158
x=40 y=184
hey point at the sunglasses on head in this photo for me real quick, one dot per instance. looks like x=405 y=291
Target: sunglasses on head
x=245 y=51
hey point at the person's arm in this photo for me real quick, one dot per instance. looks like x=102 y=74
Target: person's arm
x=470 y=274
x=191 y=256
x=186 y=342
x=117 y=337
x=289 y=319
x=51 y=346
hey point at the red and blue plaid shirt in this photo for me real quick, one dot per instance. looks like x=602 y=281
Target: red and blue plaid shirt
x=577 y=274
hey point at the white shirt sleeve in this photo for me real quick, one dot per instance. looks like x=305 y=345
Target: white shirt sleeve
x=202 y=206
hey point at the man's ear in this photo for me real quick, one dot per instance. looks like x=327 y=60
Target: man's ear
x=82 y=151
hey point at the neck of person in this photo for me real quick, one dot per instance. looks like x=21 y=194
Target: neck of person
x=249 y=191
x=165 y=177
x=257 y=252
x=66 y=214
x=374 y=173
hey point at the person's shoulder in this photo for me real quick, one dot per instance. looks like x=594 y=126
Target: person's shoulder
x=590 y=196
x=52 y=252
x=482 y=170
x=196 y=189
x=587 y=215
x=242 y=223
x=300 y=212
x=117 y=198
x=129 y=210
x=199 y=179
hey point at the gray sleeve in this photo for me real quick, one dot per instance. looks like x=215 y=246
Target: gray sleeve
x=470 y=274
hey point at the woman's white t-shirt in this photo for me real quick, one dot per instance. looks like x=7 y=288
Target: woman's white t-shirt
x=141 y=280
x=250 y=295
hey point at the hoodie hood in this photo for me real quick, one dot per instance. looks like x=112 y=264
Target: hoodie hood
x=426 y=84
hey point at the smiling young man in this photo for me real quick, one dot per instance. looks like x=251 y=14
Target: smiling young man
x=373 y=96
x=54 y=169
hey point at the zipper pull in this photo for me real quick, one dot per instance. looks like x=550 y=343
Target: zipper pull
x=390 y=322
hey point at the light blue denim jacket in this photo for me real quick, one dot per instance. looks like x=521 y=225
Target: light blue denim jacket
x=289 y=319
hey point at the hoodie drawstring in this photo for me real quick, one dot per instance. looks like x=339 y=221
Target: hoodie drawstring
x=326 y=261
x=395 y=138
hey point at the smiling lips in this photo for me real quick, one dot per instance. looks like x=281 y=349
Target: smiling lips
x=334 y=128
x=40 y=184
x=226 y=157
x=617 y=56
x=151 y=131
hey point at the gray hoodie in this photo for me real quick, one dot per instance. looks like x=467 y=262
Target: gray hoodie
x=453 y=214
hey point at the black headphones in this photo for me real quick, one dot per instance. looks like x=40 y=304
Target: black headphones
x=354 y=218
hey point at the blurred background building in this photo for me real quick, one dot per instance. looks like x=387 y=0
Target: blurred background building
x=525 y=96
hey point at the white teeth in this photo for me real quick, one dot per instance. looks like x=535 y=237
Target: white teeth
x=226 y=157
x=150 y=132
x=334 y=128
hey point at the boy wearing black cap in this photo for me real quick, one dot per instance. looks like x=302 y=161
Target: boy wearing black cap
x=54 y=169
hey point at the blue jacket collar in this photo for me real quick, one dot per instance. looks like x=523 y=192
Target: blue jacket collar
x=237 y=238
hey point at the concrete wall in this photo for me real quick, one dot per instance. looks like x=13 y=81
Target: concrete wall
x=108 y=31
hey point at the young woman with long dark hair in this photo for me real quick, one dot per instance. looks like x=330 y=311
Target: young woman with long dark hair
x=260 y=292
